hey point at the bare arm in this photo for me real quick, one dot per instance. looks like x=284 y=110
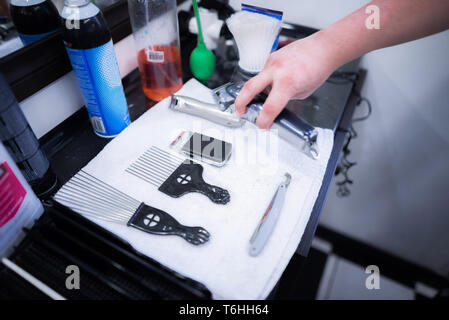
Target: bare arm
x=298 y=69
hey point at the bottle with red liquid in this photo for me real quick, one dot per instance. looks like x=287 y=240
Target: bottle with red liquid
x=156 y=37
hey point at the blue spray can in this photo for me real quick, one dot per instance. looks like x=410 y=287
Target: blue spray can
x=91 y=52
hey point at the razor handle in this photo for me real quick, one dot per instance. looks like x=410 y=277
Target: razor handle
x=208 y=111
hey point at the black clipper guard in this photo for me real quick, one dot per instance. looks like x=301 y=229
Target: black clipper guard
x=188 y=177
x=159 y=222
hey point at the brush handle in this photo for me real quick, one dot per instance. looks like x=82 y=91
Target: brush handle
x=159 y=222
x=197 y=15
x=188 y=177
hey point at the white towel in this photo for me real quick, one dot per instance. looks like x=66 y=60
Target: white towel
x=251 y=176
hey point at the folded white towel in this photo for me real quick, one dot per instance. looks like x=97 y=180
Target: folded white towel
x=252 y=176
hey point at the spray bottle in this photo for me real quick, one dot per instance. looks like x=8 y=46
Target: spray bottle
x=156 y=38
x=89 y=46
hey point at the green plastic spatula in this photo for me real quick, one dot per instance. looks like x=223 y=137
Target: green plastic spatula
x=202 y=60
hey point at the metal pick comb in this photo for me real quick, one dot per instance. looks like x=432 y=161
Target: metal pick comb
x=92 y=197
x=174 y=175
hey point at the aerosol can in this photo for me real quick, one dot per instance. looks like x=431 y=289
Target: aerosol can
x=91 y=52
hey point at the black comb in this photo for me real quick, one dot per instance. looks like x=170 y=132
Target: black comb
x=92 y=197
x=175 y=176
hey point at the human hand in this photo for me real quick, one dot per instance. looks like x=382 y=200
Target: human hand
x=295 y=71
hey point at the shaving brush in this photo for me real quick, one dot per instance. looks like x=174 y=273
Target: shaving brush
x=254 y=35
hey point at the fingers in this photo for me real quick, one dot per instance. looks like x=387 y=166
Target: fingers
x=250 y=90
x=276 y=101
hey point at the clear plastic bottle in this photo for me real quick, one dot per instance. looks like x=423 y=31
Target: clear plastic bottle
x=19 y=206
x=156 y=37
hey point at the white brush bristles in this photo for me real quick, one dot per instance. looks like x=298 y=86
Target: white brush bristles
x=254 y=35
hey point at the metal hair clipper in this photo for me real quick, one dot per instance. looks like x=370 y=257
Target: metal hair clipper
x=289 y=126
x=206 y=110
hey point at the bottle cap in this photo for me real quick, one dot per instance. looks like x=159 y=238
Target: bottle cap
x=76 y=3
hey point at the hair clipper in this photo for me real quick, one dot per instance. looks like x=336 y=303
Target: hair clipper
x=289 y=126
